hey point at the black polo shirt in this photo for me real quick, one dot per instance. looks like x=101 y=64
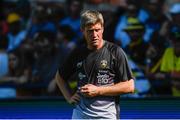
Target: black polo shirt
x=103 y=67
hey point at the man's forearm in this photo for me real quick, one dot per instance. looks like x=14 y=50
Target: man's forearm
x=63 y=86
x=117 y=89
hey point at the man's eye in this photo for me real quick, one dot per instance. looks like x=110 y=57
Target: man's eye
x=97 y=30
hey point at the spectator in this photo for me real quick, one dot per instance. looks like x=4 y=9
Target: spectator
x=16 y=75
x=74 y=8
x=171 y=61
x=6 y=92
x=16 y=34
x=136 y=49
x=40 y=22
x=165 y=74
x=175 y=13
x=134 y=11
x=16 y=72
x=157 y=19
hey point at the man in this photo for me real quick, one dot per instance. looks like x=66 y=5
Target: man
x=170 y=64
x=101 y=69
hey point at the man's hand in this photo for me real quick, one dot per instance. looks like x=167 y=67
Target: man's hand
x=74 y=98
x=89 y=90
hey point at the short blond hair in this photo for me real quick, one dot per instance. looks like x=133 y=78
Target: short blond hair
x=90 y=17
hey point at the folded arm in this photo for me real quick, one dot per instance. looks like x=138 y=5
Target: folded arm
x=116 y=89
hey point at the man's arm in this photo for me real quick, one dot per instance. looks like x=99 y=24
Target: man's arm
x=119 y=88
x=65 y=89
x=116 y=89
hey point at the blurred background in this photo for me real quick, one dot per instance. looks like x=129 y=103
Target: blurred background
x=36 y=36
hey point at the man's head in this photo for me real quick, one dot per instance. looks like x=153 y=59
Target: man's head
x=134 y=28
x=174 y=36
x=14 y=22
x=75 y=7
x=91 y=17
x=92 y=26
x=175 y=13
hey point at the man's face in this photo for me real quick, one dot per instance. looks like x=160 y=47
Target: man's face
x=13 y=61
x=136 y=34
x=94 y=35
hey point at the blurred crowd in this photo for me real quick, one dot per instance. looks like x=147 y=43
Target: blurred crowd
x=36 y=36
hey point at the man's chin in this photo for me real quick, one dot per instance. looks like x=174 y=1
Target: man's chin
x=94 y=44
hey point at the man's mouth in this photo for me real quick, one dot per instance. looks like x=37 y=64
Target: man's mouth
x=94 y=40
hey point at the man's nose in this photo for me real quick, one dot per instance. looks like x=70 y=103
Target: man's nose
x=94 y=33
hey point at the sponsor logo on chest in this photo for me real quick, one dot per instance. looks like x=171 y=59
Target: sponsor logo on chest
x=103 y=76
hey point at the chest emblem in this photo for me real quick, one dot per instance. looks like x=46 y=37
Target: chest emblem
x=79 y=64
x=103 y=64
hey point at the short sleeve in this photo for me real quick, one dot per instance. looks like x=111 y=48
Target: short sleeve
x=67 y=69
x=122 y=67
